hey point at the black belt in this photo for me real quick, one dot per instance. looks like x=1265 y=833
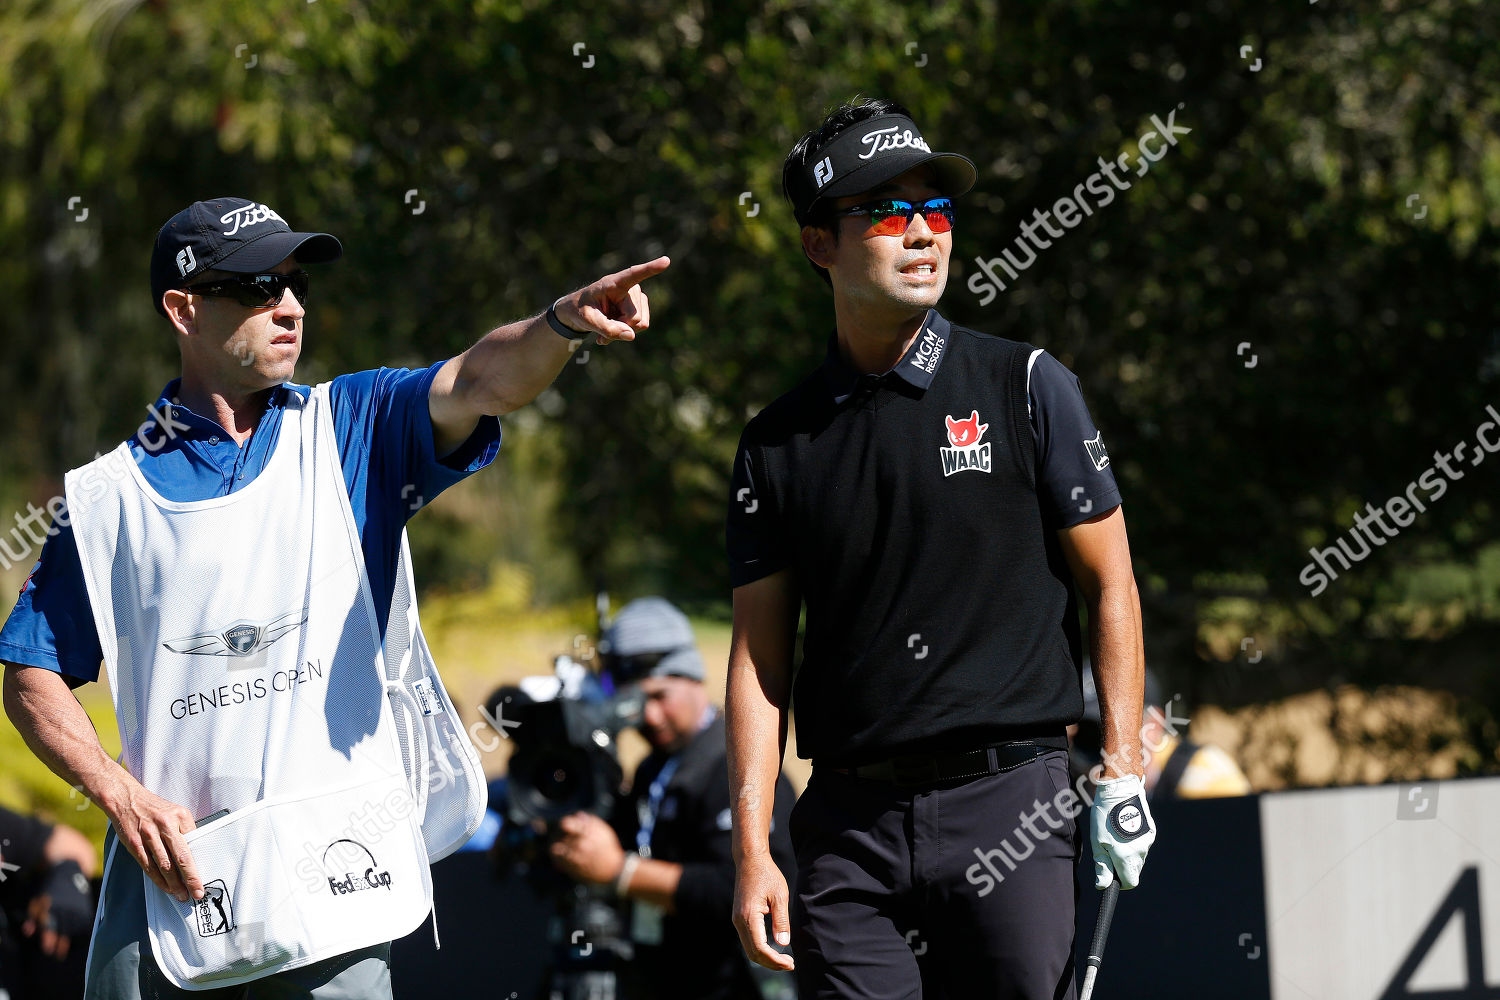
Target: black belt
x=913 y=770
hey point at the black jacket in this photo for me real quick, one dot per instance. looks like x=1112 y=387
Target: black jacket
x=700 y=954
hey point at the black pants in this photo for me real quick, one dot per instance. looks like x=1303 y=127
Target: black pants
x=909 y=893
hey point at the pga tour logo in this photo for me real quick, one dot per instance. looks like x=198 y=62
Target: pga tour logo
x=966 y=452
x=214 y=913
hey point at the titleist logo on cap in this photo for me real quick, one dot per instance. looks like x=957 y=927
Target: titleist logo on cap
x=883 y=139
x=244 y=218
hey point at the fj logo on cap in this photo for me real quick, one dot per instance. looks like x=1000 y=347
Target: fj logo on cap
x=966 y=452
x=185 y=261
x=1096 y=451
x=823 y=172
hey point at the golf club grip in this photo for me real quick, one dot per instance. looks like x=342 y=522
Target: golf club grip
x=1101 y=933
x=1101 y=927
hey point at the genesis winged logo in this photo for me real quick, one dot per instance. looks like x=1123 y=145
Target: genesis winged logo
x=240 y=639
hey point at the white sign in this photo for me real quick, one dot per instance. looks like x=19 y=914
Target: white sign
x=1383 y=892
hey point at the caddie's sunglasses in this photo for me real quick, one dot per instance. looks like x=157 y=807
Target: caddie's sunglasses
x=255 y=291
x=891 y=216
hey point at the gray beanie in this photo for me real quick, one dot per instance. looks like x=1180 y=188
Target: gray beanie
x=653 y=625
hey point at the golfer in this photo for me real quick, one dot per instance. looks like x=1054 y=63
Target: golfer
x=930 y=495
x=233 y=565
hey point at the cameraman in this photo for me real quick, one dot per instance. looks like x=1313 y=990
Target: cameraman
x=678 y=877
x=46 y=903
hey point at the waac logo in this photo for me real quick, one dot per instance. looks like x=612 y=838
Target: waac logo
x=967 y=451
x=240 y=639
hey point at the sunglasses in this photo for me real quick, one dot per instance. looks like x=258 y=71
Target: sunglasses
x=891 y=216
x=255 y=291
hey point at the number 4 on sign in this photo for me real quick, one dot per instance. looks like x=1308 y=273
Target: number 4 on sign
x=1463 y=899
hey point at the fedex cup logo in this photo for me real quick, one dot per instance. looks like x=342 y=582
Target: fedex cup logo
x=967 y=451
x=250 y=215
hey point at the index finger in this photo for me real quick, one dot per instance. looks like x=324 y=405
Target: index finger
x=637 y=273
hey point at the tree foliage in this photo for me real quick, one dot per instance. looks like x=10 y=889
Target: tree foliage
x=1283 y=220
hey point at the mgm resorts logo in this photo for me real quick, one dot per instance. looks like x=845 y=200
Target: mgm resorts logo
x=240 y=639
x=351 y=867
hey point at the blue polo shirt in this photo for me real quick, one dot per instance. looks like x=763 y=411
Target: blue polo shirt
x=391 y=469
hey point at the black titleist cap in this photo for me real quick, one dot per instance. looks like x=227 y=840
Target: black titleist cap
x=229 y=234
x=866 y=155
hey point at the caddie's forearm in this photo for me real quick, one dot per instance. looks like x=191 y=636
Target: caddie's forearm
x=755 y=729
x=512 y=364
x=59 y=731
x=1119 y=675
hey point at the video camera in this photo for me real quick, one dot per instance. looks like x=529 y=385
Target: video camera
x=566 y=730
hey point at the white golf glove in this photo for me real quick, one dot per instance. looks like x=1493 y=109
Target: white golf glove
x=1122 y=831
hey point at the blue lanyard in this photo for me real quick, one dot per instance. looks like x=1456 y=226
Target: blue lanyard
x=659 y=788
x=653 y=803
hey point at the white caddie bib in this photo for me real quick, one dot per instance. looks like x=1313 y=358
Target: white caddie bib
x=248 y=675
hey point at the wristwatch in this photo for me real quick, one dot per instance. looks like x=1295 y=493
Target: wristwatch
x=562 y=328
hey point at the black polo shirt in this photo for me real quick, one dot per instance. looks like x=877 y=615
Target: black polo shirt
x=918 y=511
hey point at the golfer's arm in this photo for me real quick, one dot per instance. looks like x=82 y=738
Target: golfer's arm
x=504 y=371
x=58 y=730
x=760 y=671
x=1098 y=552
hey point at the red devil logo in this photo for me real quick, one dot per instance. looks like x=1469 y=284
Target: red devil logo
x=962 y=433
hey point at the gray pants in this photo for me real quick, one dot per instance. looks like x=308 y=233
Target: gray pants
x=122 y=967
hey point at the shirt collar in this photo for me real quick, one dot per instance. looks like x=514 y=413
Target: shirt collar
x=185 y=423
x=917 y=366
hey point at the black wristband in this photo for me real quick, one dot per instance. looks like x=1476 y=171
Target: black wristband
x=561 y=328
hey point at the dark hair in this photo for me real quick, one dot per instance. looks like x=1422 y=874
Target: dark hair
x=851 y=112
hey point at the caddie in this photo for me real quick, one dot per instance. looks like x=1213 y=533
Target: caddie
x=234 y=565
